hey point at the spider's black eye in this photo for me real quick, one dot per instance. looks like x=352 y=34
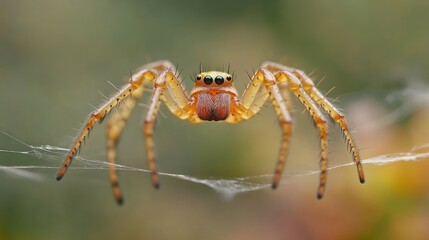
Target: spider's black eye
x=219 y=80
x=229 y=78
x=208 y=80
x=198 y=77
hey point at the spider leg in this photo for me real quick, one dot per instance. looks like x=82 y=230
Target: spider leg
x=335 y=114
x=253 y=99
x=134 y=83
x=309 y=87
x=114 y=127
x=257 y=99
x=319 y=120
x=148 y=126
x=167 y=87
x=116 y=124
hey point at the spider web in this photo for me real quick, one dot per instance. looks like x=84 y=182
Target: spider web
x=227 y=188
x=406 y=101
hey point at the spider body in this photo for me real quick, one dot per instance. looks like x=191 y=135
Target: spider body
x=214 y=98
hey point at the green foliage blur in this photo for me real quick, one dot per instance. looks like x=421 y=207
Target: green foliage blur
x=56 y=56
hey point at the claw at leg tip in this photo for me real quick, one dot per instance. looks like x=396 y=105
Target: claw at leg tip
x=274 y=186
x=361 y=177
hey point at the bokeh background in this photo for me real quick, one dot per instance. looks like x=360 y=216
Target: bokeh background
x=56 y=56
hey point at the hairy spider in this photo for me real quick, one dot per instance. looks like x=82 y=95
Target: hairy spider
x=214 y=98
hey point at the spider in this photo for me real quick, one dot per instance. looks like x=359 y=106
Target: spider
x=214 y=98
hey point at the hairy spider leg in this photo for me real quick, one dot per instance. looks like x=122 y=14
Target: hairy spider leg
x=284 y=88
x=114 y=127
x=167 y=87
x=135 y=82
x=309 y=87
x=318 y=119
x=117 y=122
x=335 y=114
x=253 y=98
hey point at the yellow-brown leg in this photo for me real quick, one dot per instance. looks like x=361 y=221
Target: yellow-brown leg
x=286 y=126
x=335 y=114
x=114 y=128
x=175 y=102
x=310 y=88
x=134 y=83
x=252 y=100
x=116 y=124
x=318 y=119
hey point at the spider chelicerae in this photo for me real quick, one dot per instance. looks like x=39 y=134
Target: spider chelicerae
x=214 y=98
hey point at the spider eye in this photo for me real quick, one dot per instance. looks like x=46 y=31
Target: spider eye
x=208 y=80
x=219 y=80
x=229 y=78
x=198 y=77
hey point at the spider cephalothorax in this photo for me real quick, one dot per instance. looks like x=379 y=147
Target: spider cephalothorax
x=214 y=98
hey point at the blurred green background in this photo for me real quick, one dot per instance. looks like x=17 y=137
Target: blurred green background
x=56 y=55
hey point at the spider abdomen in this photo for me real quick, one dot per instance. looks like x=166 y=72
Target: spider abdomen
x=213 y=107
